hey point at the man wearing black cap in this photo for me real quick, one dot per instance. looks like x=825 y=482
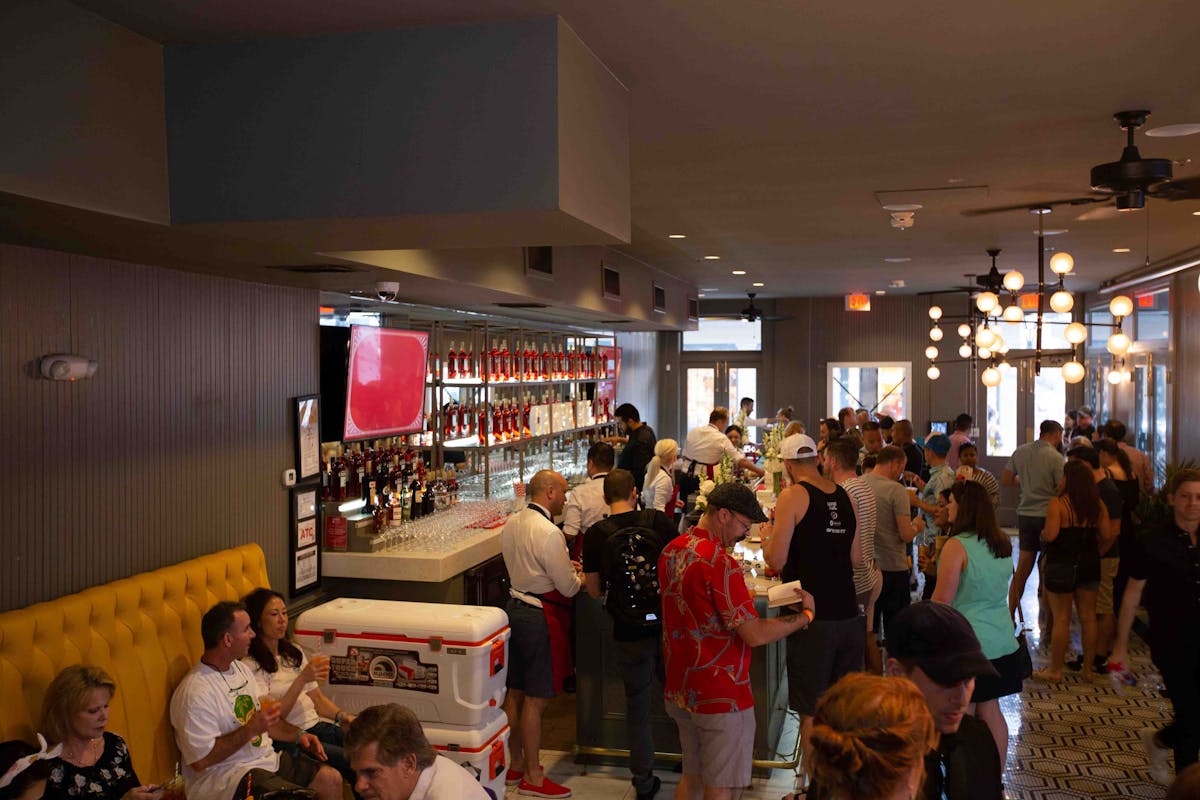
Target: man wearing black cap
x=932 y=645
x=709 y=626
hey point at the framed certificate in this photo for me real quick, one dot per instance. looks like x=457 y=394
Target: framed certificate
x=303 y=541
x=308 y=437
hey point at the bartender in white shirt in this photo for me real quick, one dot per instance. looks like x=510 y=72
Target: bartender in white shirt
x=743 y=419
x=585 y=504
x=706 y=445
x=544 y=579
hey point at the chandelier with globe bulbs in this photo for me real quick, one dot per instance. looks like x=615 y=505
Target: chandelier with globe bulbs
x=983 y=343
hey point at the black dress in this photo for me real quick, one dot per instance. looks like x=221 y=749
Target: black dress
x=108 y=779
x=1077 y=546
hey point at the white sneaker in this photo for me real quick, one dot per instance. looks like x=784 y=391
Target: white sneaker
x=1156 y=756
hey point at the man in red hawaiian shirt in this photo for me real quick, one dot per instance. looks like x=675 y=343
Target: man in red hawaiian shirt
x=709 y=626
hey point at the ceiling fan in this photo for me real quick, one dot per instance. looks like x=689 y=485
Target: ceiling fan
x=1122 y=185
x=751 y=313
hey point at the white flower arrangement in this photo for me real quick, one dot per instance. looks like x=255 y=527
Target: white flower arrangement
x=702 y=495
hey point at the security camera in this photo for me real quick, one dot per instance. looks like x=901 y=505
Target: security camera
x=903 y=219
x=66 y=367
x=387 y=290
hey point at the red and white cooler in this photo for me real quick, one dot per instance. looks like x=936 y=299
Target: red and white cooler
x=445 y=662
x=481 y=751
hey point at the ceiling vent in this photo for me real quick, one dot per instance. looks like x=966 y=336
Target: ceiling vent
x=610 y=282
x=660 y=299
x=539 y=261
x=693 y=309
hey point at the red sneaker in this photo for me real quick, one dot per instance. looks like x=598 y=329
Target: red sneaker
x=513 y=777
x=548 y=789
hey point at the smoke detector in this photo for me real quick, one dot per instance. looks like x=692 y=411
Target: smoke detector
x=903 y=219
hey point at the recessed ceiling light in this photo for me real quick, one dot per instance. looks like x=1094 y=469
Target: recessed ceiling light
x=881 y=291
x=676 y=235
x=1196 y=213
x=701 y=294
x=954 y=180
x=898 y=283
x=760 y=284
x=903 y=207
x=739 y=272
x=1050 y=231
x=1120 y=249
x=712 y=258
x=1183 y=129
x=897 y=260
x=708 y=288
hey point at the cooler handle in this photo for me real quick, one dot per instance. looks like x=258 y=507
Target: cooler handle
x=494 y=701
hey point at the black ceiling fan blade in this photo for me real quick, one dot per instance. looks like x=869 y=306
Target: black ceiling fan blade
x=1071 y=201
x=950 y=290
x=1181 y=189
x=774 y=318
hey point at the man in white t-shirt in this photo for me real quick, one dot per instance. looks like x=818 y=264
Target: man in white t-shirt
x=224 y=735
x=394 y=760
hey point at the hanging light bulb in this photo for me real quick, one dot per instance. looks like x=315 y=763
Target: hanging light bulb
x=936 y=333
x=1120 y=306
x=1003 y=348
x=985 y=352
x=933 y=372
x=984 y=337
x=964 y=350
x=1072 y=372
x=1114 y=376
x=1126 y=376
x=935 y=313
x=964 y=330
x=931 y=352
x=1014 y=314
x=990 y=377
x=1119 y=344
x=1061 y=263
x=1013 y=281
x=987 y=301
x=1062 y=301
x=1075 y=333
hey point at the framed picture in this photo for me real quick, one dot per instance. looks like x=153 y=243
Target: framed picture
x=303 y=542
x=308 y=437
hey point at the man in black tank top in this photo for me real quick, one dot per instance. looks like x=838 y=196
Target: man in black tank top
x=813 y=539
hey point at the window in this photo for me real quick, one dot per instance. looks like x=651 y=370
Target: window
x=1002 y=413
x=1152 y=317
x=716 y=333
x=1023 y=335
x=879 y=388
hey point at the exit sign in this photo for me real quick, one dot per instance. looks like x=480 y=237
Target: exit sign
x=858 y=302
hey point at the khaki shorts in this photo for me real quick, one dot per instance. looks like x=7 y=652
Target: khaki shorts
x=1104 y=599
x=866 y=600
x=717 y=747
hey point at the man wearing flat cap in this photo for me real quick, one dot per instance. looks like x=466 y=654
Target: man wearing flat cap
x=932 y=645
x=709 y=626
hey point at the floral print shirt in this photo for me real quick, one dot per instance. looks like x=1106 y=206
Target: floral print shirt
x=108 y=779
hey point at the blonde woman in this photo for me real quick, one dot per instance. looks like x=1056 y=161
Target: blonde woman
x=660 y=492
x=94 y=763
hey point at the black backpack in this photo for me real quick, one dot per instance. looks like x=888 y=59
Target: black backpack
x=631 y=574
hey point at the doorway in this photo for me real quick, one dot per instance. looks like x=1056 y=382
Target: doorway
x=719 y=383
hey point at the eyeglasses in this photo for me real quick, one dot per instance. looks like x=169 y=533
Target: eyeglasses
x=745 y=525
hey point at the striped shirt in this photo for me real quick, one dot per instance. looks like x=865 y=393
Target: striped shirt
x=864 y=506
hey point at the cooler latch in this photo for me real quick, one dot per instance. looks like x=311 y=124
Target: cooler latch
x=435 y=643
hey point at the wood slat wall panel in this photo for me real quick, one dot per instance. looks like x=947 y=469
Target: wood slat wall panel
x=175 y=449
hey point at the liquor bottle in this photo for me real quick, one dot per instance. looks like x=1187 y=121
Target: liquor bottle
x=452 y=363
x=525 y=417
x=405 y=503
x=573 y=364
x=366 y=480
x=547 y=362
x=418 y=498
x=505 y=362
x=560 y=363
x=453 y=485
x=337 y=478
x=429 y=499
x=481 y=425
x=606 y=413
x=497 y=424
x=325 y=488
x=441 y=493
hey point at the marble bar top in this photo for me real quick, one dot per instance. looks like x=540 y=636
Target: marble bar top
x=413 y=565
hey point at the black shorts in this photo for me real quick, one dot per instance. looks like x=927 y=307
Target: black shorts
x=819 y=655
x=295 y=772
x=1030 y=531
x=990 y=687
x=530 y=664
x=894 y=597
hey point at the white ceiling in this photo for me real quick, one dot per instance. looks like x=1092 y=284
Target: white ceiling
x=763 y=129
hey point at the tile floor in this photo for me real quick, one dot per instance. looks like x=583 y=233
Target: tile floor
x=1071 y=740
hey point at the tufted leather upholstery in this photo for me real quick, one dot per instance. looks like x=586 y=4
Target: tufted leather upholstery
x=144 y=630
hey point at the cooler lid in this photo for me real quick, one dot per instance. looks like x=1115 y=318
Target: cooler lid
x=456 y=625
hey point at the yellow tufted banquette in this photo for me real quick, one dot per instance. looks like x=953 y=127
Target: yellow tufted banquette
x=144 y=630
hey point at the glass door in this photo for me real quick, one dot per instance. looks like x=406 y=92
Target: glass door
x=1151 y=406
x=720 y=384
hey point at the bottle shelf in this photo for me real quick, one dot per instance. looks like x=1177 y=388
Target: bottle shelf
x=476 y=383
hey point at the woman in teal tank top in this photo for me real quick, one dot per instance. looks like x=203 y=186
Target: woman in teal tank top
x=974 y=571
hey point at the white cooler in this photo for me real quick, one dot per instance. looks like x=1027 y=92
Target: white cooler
x=482 y=751
x=445 y=662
